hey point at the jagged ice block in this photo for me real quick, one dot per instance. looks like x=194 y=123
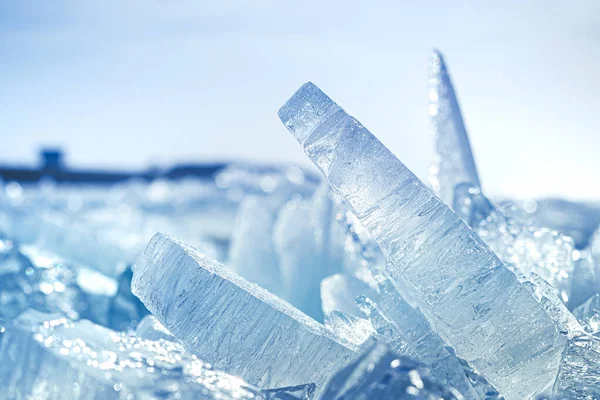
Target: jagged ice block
x=233 y=324
x=471 y=299
x=453 y=161
x=46 y=356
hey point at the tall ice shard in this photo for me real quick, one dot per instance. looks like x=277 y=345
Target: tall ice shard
x=453 y=162
x=467 y=294
x=233 y=324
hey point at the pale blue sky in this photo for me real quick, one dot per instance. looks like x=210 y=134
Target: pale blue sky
x=126 y=84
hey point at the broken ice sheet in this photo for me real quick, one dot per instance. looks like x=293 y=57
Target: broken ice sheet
x=349 y=327
x=309 y=245
x=527 y=247
x=427 y=345
x=339 y=291
x=47 y=356
x=588 y=314
x=231 y=323
x=33 y=279
x=150 y=328
x=521 y=243
x=378 y=373
x=453 y=162
x=579 y=373
x=470 y=298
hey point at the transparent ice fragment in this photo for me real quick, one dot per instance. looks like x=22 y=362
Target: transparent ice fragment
x=428 y=347
x=33 y=279
x=453 y=161
x=526 y=247
x=466 y=293
x=349 y=327
x=231 y=323
x=252 y=254
x=579 y=372
x=125 y=310
x=299 y=392
x=150 y=328
x=339 y=291
x=545 y=294
x=577 y=220
x=584 y=279
x=588 y=314
x=309 y=248
x=380 y=374
x=49 y=357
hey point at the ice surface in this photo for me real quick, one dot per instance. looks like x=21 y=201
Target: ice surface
x=339 y=291
x=471 y=299
x=33 y=279
x=429 y=348
x=125 y=310
x=579 y=373
x=588 y=314
x=349 y=327
x=584 y=279
x=252 y=253
x=545 y=294
x=527 y=247
x=49 y=357
x=150 y=328
x=453 y=162
x=231 y=323
x=308 y=249
x=380 y=374
x=578 y=220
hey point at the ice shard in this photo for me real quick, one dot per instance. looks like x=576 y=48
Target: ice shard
x=579 y=373
x=308 y=250
x=125 y=310
x=45 y=356
x=588 y=314
x=526 y=247
x=233 y=324
x=429 y=348
x=150 y=328
x=349 y=327
x=453 y=161
x=339 y=291
x=468 y=295
x=33 y=279
x=378 y=373
x=252 y=253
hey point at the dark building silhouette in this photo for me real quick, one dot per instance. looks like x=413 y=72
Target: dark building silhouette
x=52 y=167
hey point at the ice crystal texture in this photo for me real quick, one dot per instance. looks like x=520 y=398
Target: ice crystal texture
x=49 y=357
x=475 y=303
x=273 y=283
x=230 y=322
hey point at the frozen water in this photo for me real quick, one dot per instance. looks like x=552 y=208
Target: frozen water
x=453 y=162
x=231 y=323
x=349 y=327
x=125 y=310
x=308 y=249
x=150 y=328
x=579 y=372
x=380 y=374
x=588 y=314
x=252 y=253
x=339 y=291
x=428 y=347
x=471 y=299
x=526 y=247
x=49 y=357
x=33 y=279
